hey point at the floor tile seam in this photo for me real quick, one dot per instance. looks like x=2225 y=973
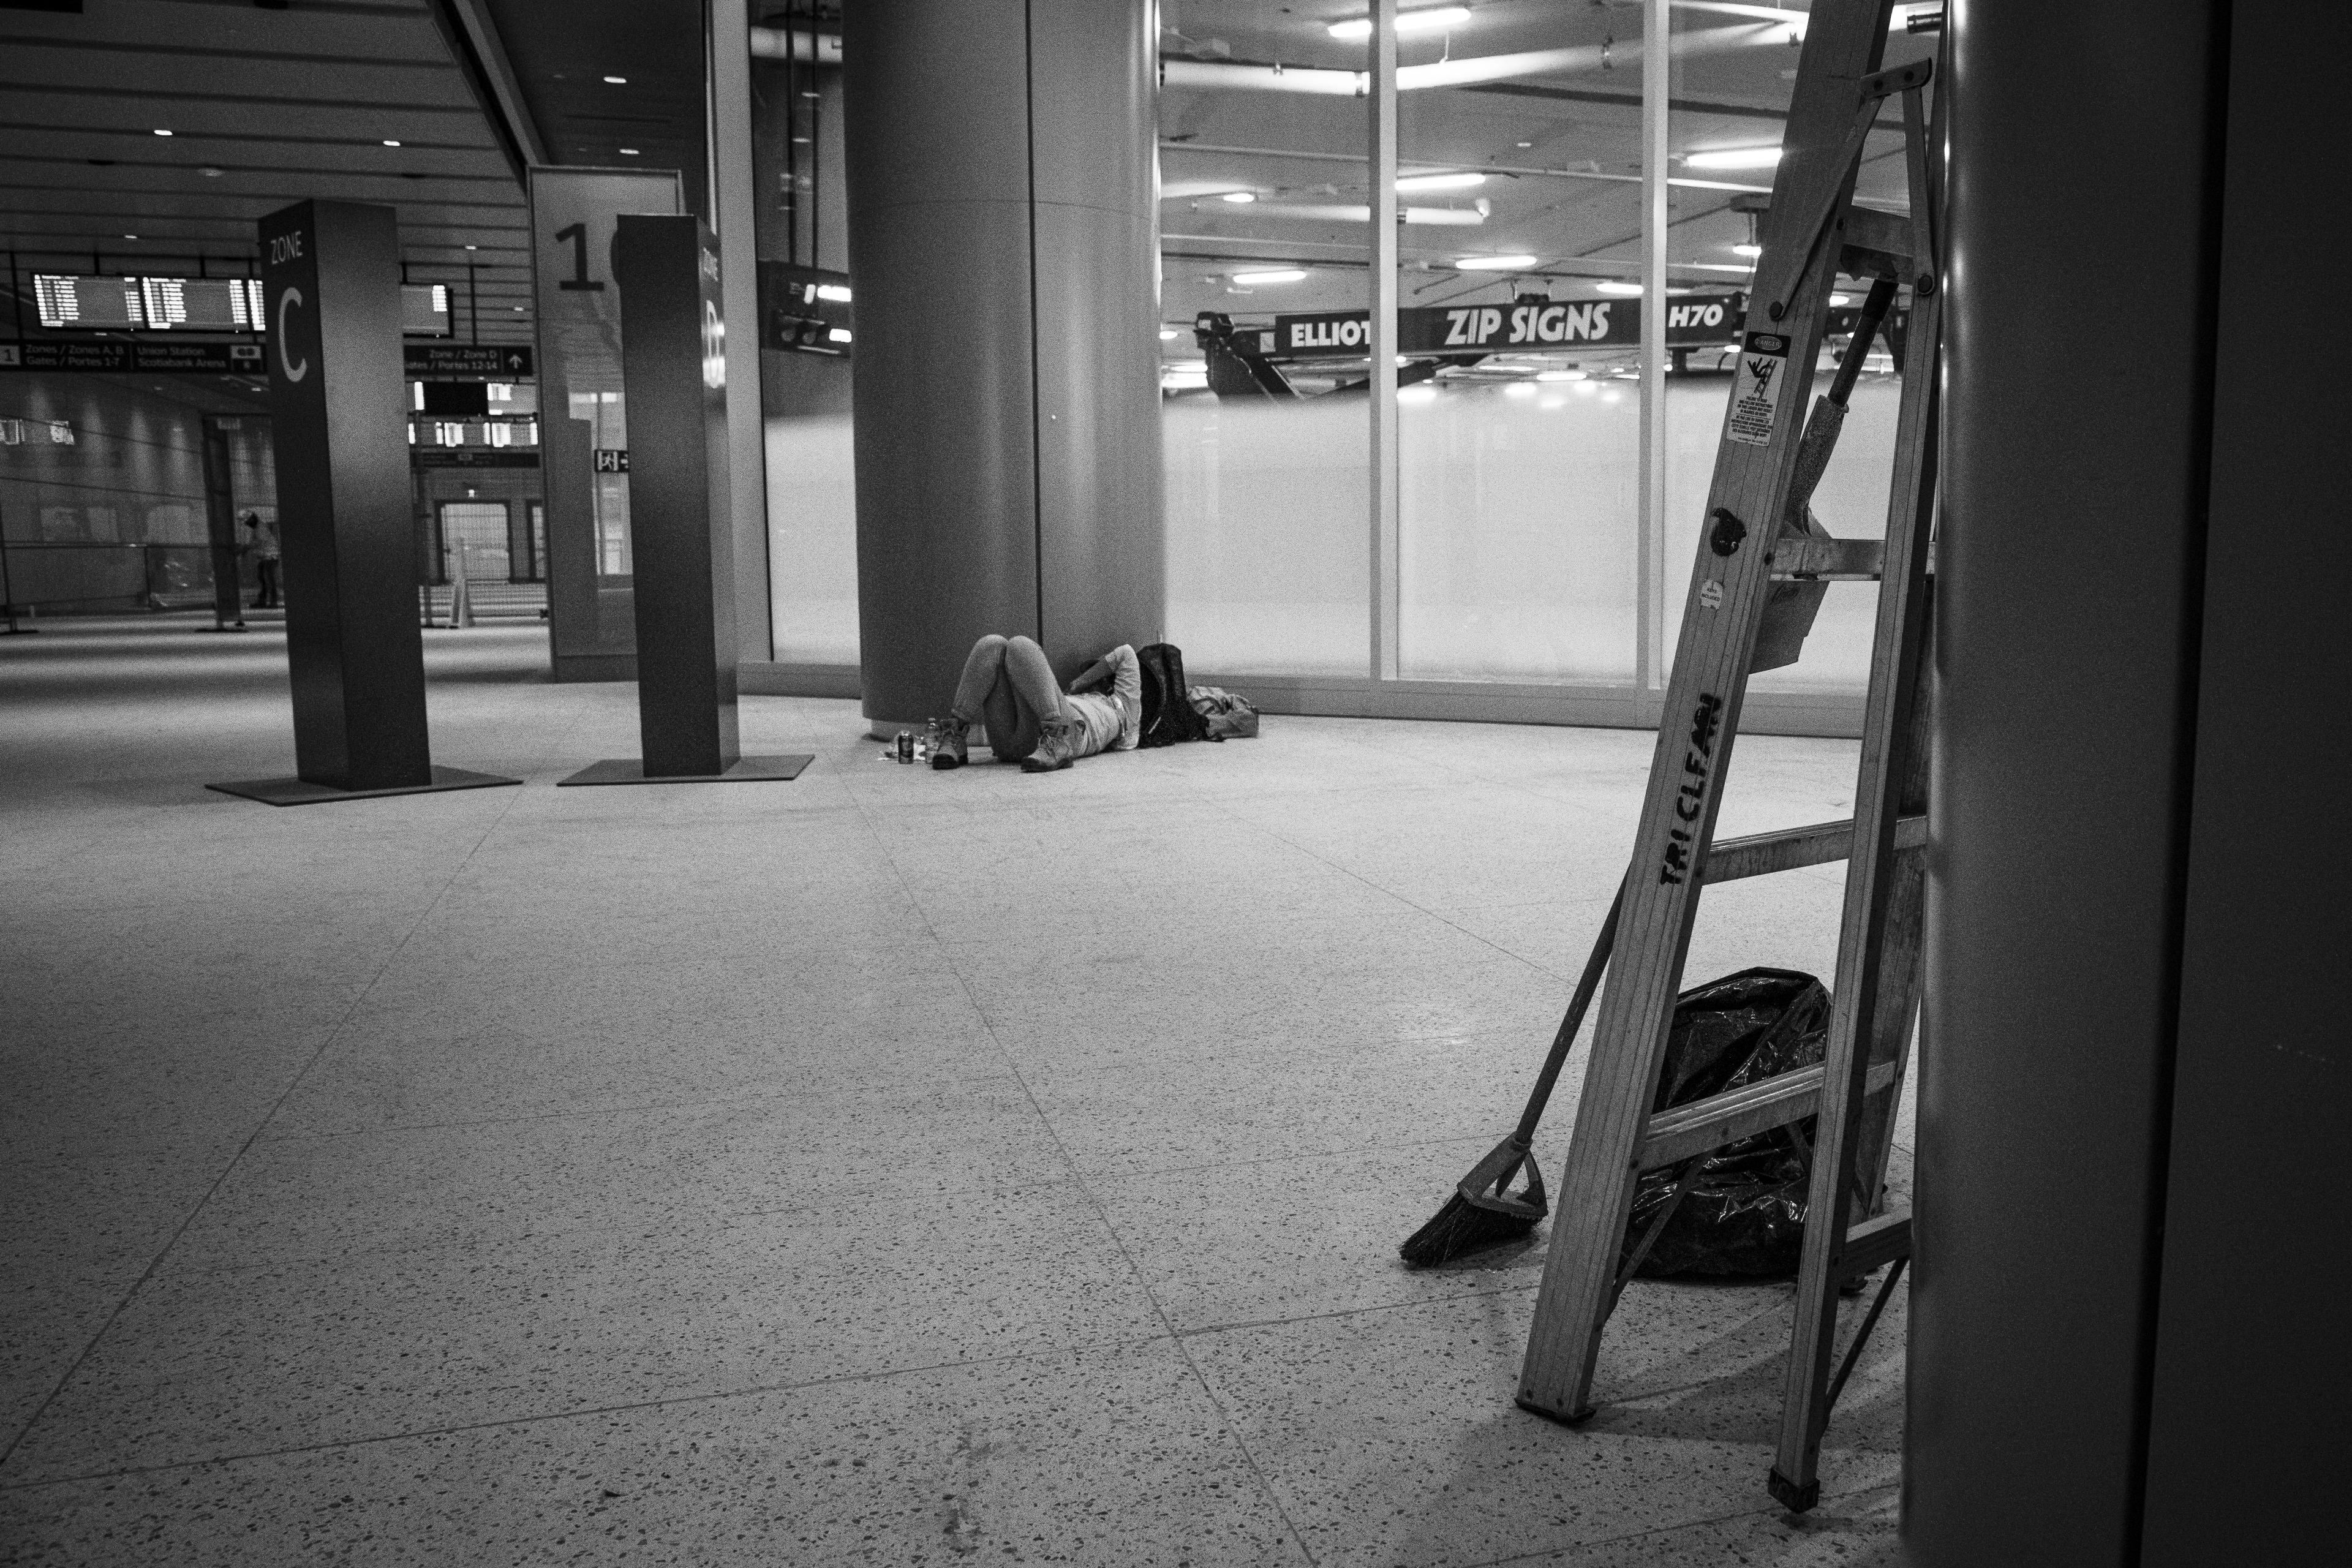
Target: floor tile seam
x=626 y=1110
x=80 y=1357
x=1143 y=1283
x=1519 y=958
x=830 y=1200
x=1369 y=1310
x=620 y=1407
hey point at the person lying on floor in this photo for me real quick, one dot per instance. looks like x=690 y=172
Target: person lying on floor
x=1009 y=686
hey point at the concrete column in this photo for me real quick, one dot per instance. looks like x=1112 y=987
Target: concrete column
x=1004 y=245
x=2068 y=560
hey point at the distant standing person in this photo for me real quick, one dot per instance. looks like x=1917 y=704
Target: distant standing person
x=1009 y=686
x=265 y=561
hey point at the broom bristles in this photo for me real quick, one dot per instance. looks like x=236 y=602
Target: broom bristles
x=1458 y=1228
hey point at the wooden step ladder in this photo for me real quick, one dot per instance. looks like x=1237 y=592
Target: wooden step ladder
x=1759 y=532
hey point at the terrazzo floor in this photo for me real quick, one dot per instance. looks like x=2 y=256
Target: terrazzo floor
x=884 y=1168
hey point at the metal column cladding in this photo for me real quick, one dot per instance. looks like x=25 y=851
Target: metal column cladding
x=674 y=366
x=330 y=284
x=1003 y=244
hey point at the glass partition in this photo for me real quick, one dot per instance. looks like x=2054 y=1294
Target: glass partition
x=1263 y=216
x=1519 y=252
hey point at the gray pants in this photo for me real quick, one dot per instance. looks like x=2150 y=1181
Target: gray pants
x=1008 y=686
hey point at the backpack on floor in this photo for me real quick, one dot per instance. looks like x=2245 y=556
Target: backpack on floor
x=1168 y=716
x=1229 y=718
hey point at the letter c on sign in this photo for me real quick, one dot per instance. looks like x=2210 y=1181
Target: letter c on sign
x=293 y=372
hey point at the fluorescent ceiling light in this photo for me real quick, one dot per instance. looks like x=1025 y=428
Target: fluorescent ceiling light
x=838 y=335
x=618 y=81
x=1440 y=182
x=1239 y=197
x=1746 y=250
x=1618 y=287
x=390 y=143
x=1561 y=376
x=1494 y=263
x=1734 y=158
x=130 y=236
x=1279 y=275
x=628 y=151
x=161 y=131
x=835 y=291
x=1428 y=19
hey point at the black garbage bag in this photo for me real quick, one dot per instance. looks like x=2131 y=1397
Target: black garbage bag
x=1745 y=1214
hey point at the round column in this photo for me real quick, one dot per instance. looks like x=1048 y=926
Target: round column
x=1003 y=244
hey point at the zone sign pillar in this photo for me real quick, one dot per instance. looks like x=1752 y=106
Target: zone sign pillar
x=330 y=284
x=674 y=375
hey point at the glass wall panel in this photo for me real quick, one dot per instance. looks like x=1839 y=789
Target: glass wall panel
x=1263 y=215
x=1519 y=251
x=806 y=299
x=1729 y=108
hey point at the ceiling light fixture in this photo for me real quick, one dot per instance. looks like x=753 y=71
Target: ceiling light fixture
x=1746 y=250
x=130 y=236
x=1239 y=197
x=1278 y=274
x=472 y=248
x=837 y=292
x=1440 y=182
x=1494 y=263
x=628 y=151
x=1837 y=300
x=1734 y=158
x=1166 y=334
x=1613 y=288
x=1428 y=19
x=210 y=173
x=390 y=143
x=617 y=80
x=161 y=131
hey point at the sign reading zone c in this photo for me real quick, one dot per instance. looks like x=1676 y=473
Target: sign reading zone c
x=293 y=372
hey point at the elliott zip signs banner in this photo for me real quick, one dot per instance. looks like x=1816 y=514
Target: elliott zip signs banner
x=1555 y=324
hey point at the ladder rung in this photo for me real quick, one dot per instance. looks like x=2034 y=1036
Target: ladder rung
x=1870 y=1244
x=1761 y=854
x=1880 y=233
x=1686 y=1130
x=1829 y=559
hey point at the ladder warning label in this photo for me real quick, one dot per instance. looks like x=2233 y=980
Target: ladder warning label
x=1756 y=394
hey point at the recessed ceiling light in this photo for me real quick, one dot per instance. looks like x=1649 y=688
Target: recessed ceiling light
x=472 y=248
x=618 y=81
x=628 y=151
x=1746 y=250
x=1428 y=19
x=1734 y=158
x=1440 y=182
x=1277 y=275
x=161 y=131
x=210 y=173
x=130 y=236
x=390 y=143
x=1524 y=144
x=1239 y=197
x=1618 y=287
x=1494 y=263
x=518 y=309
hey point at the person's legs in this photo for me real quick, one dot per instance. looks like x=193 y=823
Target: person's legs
x=1001 y=689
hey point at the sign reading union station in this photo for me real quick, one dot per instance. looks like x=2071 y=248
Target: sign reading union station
x=1487 y=329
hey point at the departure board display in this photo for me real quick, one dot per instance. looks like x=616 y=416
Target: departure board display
x=80 y=301
x=424 y=309
x=202 y=304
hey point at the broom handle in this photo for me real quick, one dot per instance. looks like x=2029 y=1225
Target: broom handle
x=1586 y=985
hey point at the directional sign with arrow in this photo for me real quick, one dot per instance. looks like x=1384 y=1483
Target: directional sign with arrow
x=436 y=360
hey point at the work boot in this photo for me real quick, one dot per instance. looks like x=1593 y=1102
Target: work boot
x=953 y=749
x=1058 y=747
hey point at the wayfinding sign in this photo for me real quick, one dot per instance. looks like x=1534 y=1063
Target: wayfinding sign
x=99 y=357
x=498 y=361
x=1524 y=327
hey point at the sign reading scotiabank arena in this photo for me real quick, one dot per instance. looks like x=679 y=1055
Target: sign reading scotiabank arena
x=1534 y=325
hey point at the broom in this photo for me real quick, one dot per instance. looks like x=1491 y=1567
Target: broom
x=1483 y=1210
